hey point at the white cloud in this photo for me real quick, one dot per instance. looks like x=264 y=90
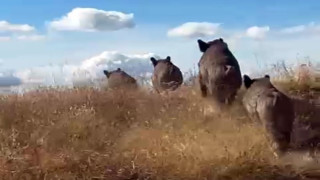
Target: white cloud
x=90 y=70
x=194 y=29
x=307 y=28
x=294 y=29
x=46 y=75
x=5 y=38
x=135 y=64
x=18 y=31
x=8 y=27
x=90 y=19
x=32 y=37
x=257 y=33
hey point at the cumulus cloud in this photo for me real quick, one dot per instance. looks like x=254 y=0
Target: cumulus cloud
x=32 y=37
x=89 y=71
x=136 y=64
x=257 y=33
x=194 y=29
x=8 y=27
x=90 y=19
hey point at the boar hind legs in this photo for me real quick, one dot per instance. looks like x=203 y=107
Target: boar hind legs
x=231 y=99
x=204 y=90
x=203 y=87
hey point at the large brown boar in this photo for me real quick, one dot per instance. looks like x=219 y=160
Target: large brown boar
x=219 y=71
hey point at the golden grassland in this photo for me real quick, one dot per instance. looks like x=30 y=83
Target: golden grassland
x=95 y=134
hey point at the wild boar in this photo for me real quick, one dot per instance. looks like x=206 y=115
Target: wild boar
x=272 y=108
x=120 y=79
x=219 y=72
x=166 y=75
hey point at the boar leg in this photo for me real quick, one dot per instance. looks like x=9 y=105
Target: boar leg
x=203 y=87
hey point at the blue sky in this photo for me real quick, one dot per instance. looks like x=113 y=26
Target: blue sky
x=280 y=30
x=231 y=12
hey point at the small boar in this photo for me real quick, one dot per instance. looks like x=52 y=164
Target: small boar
x=120 y=79
x=219 y=72
x=166 y=76
x=272 y=108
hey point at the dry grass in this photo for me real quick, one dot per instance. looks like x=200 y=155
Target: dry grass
x=302 y=80
x=91 y=134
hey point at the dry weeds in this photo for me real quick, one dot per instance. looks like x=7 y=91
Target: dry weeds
x=92 y=134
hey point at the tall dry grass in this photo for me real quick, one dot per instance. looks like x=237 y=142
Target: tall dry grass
x=92 y=134
x=301 y=80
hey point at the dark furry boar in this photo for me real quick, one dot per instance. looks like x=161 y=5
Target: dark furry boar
x=166 y=76
x=272 y=108
x=120 y=79
x=219 y=71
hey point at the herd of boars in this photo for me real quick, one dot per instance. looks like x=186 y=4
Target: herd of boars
x=220 y=79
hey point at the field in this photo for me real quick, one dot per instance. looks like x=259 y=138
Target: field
x=95 y=134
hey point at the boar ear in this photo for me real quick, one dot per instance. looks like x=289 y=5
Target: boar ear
x=267 y=76
x=154 y=61
x=203 y=46
x=247 y=81
x=118 y=69
x=168 y=58
x=107 y=73
x=221 y=39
